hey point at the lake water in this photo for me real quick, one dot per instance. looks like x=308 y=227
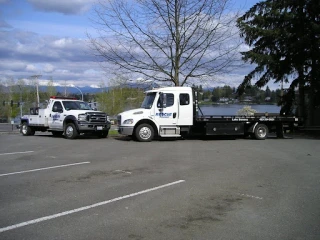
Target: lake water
x=231 y=109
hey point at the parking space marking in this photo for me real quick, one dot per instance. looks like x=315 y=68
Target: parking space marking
x=41 y=169
x=16 y=153
x=38 y=220
x=250 y=196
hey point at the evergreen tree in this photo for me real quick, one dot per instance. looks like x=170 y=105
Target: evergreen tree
x=268 y=92
x=284 y=37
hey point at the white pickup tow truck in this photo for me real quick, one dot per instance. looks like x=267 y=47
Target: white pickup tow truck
x=66 y=116
x=174 y=112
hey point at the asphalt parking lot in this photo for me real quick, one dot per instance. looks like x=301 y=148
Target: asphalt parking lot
x=89 y=188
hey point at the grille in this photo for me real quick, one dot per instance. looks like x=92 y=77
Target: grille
x=97 y=117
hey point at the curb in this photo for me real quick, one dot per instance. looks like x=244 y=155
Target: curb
x=13 y=132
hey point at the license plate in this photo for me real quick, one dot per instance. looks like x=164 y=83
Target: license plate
x=99 y=127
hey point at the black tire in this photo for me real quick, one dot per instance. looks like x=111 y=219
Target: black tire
x=26 y=130
x=261 y=132
x=70 y=131
x=57 y=134
x=280 y=131
x=104 y=134
x=144 y=133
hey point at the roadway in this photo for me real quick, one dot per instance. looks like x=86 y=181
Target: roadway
x=8 y=128
x=115 y=188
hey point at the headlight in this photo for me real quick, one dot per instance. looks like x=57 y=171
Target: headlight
x=128 y=121
x=108 y=118
x=82 y=117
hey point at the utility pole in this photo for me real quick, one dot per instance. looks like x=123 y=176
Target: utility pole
x=20 y=100
x=79 y=91
x=65 y=88
x=281 y=93
x=37 y=86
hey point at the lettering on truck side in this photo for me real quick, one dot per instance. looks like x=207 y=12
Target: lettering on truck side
x=239 y=119
x=164 y=115
x=55 y=117
x=266 y=119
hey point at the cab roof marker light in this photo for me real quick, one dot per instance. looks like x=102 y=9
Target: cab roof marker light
x=69 y=98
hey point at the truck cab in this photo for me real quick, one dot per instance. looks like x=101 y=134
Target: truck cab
x=166 y=112
x=66 y=116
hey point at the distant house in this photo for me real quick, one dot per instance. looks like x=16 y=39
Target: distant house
x=247 y=99
x=223 y=100
x=267 y=99
x=94 y=105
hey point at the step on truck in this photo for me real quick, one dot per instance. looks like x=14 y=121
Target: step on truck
x=174 y=112
x=66 y=116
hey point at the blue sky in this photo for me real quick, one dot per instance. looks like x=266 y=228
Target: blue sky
x=48 y=37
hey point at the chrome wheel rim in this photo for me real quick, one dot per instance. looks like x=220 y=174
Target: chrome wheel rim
x=69 y=131
x=24 y=129
x=262 y=132
x=145 y=133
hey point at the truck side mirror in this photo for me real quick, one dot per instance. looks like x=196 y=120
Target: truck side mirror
x=162 y=103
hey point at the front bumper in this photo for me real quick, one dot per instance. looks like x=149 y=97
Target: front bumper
x=125 y=130
x=85 y=126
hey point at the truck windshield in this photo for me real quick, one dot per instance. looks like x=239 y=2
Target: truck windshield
x=148 y=100
x=76 y=105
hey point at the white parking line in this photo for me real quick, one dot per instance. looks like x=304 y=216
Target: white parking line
x=37 y=220
x=40 y=169
x=250 y=196
x=15 y=153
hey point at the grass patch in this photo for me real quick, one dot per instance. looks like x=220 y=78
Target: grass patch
x=113 y=132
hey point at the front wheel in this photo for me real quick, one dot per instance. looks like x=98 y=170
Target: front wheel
x=71 y=131
x=103 y=134
x=26 y=130
x=144 y=133
x=261 y=132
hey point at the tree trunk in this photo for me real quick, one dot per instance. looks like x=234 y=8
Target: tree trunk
x=301 y=104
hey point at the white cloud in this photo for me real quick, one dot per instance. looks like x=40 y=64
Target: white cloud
x=62 y=71
x=48 y=68
x=58 y=29
x=12 y=65
x=63 y=42
x=31 y=68
x=91 y=72
x=67 y=7
x=24 y=53
x=94 y=86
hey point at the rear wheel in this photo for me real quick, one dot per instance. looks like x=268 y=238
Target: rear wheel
x=144 y=133
x=71 y=131
x=280 y=131
x=26 y=130
x=261 y=132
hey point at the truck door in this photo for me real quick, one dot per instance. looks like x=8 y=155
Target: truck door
x=167 y=114
x=56 y=116
x=185 y=110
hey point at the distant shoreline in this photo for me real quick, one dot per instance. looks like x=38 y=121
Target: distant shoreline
x=221 y=104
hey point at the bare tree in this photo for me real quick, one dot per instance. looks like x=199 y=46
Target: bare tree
x=51 y=89
x=167 y=40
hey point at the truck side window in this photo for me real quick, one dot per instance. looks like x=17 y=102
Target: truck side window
x=184 y=99
x=170 y=100
x=57 y=107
